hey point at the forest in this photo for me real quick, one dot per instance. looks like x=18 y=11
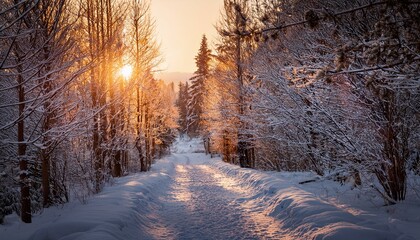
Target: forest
x=79 y=102
x=331 y=87
x=325 y=86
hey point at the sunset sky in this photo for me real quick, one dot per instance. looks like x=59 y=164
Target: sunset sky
x=180 y=25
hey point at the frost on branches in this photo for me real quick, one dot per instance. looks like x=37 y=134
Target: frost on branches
x=327 y=86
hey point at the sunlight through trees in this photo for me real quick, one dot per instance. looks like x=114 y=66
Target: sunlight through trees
x=77 y=96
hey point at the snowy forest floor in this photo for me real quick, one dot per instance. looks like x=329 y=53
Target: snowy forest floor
x=188 y=195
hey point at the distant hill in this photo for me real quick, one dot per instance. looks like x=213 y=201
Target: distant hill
x=175 y=77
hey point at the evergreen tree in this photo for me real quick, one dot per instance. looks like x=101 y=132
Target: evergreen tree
x=196 y=91
x=182 y=104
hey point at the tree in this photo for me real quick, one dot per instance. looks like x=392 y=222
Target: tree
x=39 y=58
x=316 y=76
x=321 y=86
x=182 y=104
x=146 y=57
x=104 y=21
x=196 y=90
x=235 y=51
x=65 y=107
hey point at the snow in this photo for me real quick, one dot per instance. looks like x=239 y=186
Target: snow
x=319 y=212
x=115 y=213
x=189 y=195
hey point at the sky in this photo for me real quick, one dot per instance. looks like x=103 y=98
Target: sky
x=180 y=25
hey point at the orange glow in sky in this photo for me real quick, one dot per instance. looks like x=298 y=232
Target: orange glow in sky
x=180 y=24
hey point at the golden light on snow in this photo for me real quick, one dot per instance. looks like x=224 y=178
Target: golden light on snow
x=183 y=194
x=126 y=71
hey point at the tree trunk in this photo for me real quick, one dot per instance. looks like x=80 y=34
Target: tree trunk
x=45 y=159
x=392 y=173
x=139 y=140
x=139 y=146
x=117 y=164
x=25 y=199
x=148 y=143
x=244 y=147
x=46 y=141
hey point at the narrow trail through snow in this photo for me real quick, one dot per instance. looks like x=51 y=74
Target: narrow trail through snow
x=203 y=203
x=188 y=195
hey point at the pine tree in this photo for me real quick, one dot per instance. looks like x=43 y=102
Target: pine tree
x=196 y=91
x=182 y=104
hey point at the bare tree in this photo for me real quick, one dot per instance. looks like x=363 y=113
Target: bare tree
x=145 y=56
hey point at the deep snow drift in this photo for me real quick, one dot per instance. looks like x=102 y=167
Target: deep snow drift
x=188 y=195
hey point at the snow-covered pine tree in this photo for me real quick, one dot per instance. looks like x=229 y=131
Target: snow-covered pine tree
x=197 y=88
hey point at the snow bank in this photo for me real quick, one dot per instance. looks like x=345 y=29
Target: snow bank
x=303 y=214
x=120 y=212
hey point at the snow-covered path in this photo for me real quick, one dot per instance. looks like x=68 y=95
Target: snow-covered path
x=203 y=203
x=188 y=195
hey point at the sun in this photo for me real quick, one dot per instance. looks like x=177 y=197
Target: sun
x=126 y=71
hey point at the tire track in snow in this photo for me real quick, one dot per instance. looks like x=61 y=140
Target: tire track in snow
x=203 y=203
